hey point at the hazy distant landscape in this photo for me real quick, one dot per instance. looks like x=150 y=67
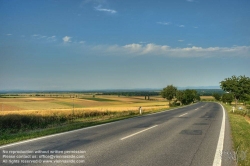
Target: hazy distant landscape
x=180 y=68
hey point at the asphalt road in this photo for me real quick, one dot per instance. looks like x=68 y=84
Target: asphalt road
x=183 y=136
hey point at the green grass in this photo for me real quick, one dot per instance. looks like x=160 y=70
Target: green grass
x=241 y=136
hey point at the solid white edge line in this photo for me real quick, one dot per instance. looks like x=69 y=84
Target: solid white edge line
x=138 y=132
x=219 y=149
x=183 y=114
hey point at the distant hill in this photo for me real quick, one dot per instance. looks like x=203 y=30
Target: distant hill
x=199 y=87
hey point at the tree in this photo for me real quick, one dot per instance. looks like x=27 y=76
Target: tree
x=245 y=98
x=198 y=98
x=217 y=96
x=180 y=96
x=227 y=98
x=169 y=92
x=237 y=86
x=190 y=96
x=187 y=96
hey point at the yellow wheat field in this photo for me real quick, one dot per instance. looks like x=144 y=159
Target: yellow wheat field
x=46 y=106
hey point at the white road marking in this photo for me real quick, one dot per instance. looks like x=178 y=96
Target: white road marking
x=138 y=132
x=219 y=149
x=183 y=114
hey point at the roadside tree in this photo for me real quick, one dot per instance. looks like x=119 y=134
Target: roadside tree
x=227 y=98
x=217 y=96
x=169 y=92
x=237 y=86
x=187 y=96
x=180 y=96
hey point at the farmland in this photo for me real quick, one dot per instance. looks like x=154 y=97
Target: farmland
x=63 y=103
x=24 y=116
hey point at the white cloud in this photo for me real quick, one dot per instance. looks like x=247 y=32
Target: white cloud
x=41 y=37
x=66 y=39
x=135 y=49
x=190 y=0
x=82 y=42
x=181 y=26
x=52 y=38
x=9 y=34
x=180 y=40
x=164 y=23
x=98 y=8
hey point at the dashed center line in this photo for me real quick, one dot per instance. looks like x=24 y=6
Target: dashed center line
x=138 y=132
x=183 y=114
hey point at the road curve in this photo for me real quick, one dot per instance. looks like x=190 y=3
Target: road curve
x=183 y=136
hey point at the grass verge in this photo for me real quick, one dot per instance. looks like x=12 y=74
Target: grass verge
x=240 y=129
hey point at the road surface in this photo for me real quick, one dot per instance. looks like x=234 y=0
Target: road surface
x=198 y=134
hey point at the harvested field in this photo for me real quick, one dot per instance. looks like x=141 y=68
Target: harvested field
x=62 y=105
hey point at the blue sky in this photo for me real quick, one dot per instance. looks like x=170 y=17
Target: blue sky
x=111 y=44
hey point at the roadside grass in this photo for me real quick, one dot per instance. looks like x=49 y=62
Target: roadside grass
x=240 y=129
x=51 y=126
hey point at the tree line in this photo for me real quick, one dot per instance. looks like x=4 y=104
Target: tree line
x=132 y=93
x=183 y=97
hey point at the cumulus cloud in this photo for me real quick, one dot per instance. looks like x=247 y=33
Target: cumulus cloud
x=133 y=47
x=99 y=8
x=66 y=39
x=181 y=26
x=152 y=49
